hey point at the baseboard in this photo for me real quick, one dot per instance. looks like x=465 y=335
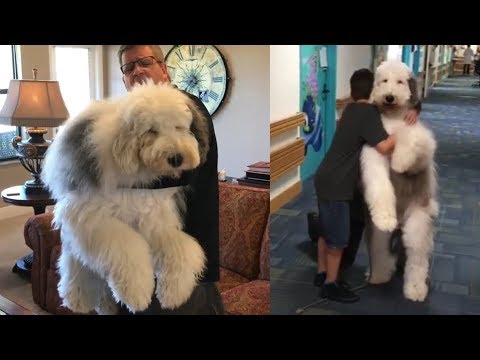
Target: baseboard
x=11 y=211
x=284 y=197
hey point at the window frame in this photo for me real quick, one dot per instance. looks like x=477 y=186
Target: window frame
x=14 y=54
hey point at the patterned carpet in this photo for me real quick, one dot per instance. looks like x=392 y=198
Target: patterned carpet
x=452 y=111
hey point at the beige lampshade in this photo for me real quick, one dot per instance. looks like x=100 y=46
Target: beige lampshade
x=34 y=103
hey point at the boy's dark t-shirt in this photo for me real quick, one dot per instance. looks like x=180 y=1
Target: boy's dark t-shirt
x=338 y=174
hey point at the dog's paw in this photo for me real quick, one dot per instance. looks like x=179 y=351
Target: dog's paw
x=179 y=279
x=107 y=304
x=367 y=274
x=134 y=287
x=385 y=220
x=77 y=300
x=383 y=270
x=415 y=291
x=398 y=165
x=378 y=278
x=433 y=208
x=175 y=292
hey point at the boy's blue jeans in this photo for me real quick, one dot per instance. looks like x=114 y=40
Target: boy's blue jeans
x=334 y=219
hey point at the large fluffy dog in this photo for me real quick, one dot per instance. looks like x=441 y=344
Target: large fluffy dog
x=116 y=236
x=400 y=190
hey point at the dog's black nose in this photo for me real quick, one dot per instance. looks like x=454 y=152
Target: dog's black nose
x=389 y=98
x=175 y=160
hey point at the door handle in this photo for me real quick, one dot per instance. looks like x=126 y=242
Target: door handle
x=325 y=91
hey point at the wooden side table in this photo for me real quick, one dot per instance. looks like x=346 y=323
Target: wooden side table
x=16 y=196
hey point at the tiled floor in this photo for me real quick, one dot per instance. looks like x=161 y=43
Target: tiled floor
x=452 y=110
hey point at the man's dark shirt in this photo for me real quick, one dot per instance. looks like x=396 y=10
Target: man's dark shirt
x=339 y=172
x=202 y=203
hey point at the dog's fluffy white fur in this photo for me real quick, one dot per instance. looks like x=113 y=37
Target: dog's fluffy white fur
x=117 y=236
x=400 y=190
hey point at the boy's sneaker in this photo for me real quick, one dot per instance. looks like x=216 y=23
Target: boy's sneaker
x=320 y=278
x=336 y=292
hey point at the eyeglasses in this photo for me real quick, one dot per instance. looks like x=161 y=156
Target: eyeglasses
x=143 y=62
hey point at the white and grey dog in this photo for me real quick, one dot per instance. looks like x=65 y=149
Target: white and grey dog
x=116 y=236
x=400 y=190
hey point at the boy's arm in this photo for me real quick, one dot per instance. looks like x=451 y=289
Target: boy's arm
x=386 y=146
x=374 y=133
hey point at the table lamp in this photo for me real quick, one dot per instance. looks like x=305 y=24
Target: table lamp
x=36 y=104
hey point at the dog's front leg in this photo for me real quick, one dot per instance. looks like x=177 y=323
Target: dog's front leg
x=179 y=263
x=120 y=255
x=414 y=150
x=378 y=189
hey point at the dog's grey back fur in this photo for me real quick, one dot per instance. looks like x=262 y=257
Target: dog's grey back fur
x=78 y=166
x=416 y=188
x=200 y=129
x=412 y=85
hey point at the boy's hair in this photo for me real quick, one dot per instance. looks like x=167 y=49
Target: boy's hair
x=361 y=84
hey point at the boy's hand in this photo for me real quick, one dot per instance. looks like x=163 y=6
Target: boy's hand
x=411 y=117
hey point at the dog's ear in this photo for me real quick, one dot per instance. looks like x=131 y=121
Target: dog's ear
x=126 y=150
x=412 y=85
x=199 y=128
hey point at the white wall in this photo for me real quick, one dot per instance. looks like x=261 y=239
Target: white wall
x=349 y=59
x=241 y=124
x=284 y=81
x=284 y=102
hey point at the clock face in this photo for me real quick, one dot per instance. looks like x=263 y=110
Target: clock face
x=199 y=70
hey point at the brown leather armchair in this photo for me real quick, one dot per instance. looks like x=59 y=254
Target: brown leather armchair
x=244 y=253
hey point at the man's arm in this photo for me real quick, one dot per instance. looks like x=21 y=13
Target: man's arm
x=202 y=217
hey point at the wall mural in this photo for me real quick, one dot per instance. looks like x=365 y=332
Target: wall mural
x=313 y=128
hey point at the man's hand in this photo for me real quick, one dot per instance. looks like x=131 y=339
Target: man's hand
x=411 y=117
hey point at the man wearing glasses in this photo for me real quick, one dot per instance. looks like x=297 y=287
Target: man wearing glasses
x=141 y=62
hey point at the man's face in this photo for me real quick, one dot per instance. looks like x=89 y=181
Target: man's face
x=151 y=68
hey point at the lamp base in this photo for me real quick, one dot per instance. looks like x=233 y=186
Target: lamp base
x=31 y=153
x=33 y=187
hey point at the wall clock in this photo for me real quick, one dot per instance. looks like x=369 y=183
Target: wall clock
x=200 y=70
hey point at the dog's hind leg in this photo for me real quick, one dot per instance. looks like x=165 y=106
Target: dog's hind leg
x=418 y=241
x=78 y=285
x=378 y=189
x=382 y=261
x=106 y=302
